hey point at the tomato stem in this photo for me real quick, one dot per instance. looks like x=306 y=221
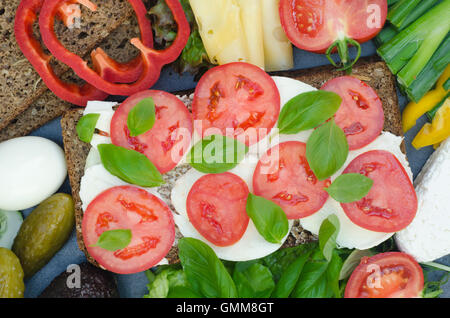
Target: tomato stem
x=342 y=47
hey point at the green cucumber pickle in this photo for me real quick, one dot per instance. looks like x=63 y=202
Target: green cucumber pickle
x=44 y=232
x=11 y=275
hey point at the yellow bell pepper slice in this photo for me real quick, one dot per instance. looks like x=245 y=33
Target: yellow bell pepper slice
x=437 y=131
x=414 y=111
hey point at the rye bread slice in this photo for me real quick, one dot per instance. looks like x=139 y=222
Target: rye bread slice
x=20 y=85
x=48 y=107
x=374 y=72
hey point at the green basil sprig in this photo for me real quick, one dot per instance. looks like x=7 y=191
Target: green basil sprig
x=269 y=219
x=328 y=233
x=216 y=154
x=307 y=111
x=86 y=127
x=326 y=150
x=114 y=240
x=350 y=187
x=204 y=271
x=253 y=281
x=141 y=117
x=130 y=166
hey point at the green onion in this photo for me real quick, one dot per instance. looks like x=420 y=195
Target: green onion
x=418 y=11
x=410 y=50
x=432 y=113
x=446 y=85
x=400 y=11
x=430 y=73
x=392 y=2
x=385 y=35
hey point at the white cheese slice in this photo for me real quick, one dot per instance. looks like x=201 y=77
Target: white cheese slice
x=350 y=234
x=105 y=109
x=428 y=236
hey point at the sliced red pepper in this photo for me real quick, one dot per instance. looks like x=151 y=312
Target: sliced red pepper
x=26 y=15
x=153 y=60
x=129 y=72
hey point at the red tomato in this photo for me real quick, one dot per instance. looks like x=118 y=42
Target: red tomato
x=126 y=207
x=361 y=114
x=386 y=275
x=238 y=97
x=391 y=203
x=315 y=25
x=216 y=206
x=168 y=140
x=283 y=176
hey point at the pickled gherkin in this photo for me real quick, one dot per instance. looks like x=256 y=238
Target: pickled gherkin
x=11 y=275
x=44 y=232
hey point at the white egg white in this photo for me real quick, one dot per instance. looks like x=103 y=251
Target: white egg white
x=31 y=170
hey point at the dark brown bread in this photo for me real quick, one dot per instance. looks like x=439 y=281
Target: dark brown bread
x=375 y=73
x=48 y=107
x=20 y=85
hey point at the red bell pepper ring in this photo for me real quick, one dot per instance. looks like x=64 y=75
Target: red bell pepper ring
x=129 y=72
x=153 y=60
x=26 y=15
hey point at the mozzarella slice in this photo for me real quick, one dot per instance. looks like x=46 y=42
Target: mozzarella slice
x=251 y=246
x=106 y=111
x=350 y=234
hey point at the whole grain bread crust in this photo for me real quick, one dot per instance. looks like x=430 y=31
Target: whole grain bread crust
x=371 y=70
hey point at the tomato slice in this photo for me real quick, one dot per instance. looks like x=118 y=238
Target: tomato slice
x=315 y=25
x=283 y=176
x=361 y=114
x=386 y=275
x=391 y=203
x=168 y=140
x=126 y=207
x=216 y=206
x=239 y=97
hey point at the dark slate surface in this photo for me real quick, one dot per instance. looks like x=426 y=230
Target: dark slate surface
x=135 y=285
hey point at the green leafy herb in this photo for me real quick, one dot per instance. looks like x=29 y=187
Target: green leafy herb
x=204 y=271
x=328 y=233
x=141 y=117
x=254 y=281
x=216 y=154
x=350 y=187
x=86 y=127
x=270 y=220
x=307 y=111
x=130 y=166
x=313 y=280
x=352 y=261
x=326 y=150
x=290 y=276
x=333 y=273
x=114 y=240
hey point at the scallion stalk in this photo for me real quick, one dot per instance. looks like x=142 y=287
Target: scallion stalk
x=430 y=73
x=418 y=11
x=432 y=113
x=400 y=11
x=385 y=35
x=422 y=37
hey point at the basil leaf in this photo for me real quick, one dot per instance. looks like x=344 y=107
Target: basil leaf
x=86 y=127
x=204 y=271
x=269 y=219
x=350 y=187
x=141 y=117
x=182 y=292
x=328 y=233
x=290 y=277
x=307 y=111
x=130 y=166
x=333 y=273
x=352 y=261
x=114 y=240
x=326 y=150
x=216 y=154
x=254 y=282
x=313 y=281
